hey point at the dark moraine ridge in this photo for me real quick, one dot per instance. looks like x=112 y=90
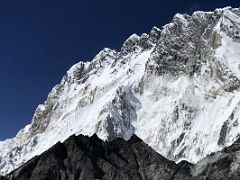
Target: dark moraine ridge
x=87 y=158
x=90 y=158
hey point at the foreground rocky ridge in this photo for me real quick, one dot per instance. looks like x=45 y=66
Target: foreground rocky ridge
x=89 y=158
x=177 y=88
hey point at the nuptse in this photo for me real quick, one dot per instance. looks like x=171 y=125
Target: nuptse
x=176 y=88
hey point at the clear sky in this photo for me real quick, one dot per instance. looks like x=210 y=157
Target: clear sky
x=41 y=39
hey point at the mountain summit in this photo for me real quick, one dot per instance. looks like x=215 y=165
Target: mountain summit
x=177 y=88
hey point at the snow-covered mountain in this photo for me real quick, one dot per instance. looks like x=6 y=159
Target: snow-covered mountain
x=177 y=88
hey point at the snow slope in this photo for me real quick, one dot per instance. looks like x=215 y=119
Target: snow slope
x=177 y=88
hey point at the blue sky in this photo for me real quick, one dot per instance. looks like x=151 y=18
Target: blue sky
x=40 y=40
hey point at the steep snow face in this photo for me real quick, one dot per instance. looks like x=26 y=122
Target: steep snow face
x=176 y=88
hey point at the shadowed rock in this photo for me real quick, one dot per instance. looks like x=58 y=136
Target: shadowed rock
x=87 y=158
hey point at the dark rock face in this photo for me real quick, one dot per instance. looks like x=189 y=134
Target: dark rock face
x=3 y=178
x=212 y=178
x=89 y=158
x=225 y=163
x=83 y=158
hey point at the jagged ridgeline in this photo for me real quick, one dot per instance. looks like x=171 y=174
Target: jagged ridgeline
x=177 y=88
x=89 y=158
